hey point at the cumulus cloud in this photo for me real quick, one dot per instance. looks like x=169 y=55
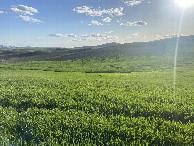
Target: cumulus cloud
x=56 y=35
x=159 y=37
x=27 y=18
x=85 y=35
x=96 y=35
x=23 y=9
x=118 y=11
x=93 y=35
x=96 y=22
x=132 y=3
x=72 y=35
x=88 y=11
x=174 y=35
x=1 y=12
x=111 y=38
x=99 y=37
x=107 y=19
x=98 y=12
x=135 y=23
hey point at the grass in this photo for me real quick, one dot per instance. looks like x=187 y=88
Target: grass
x=72 y=107
x=114 y=64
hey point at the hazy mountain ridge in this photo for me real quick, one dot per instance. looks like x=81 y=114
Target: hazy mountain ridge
x=159 y=47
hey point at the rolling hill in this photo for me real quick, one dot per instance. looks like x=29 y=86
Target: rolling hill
x=158 y=47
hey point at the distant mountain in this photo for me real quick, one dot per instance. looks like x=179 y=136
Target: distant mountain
x=99 y=46
x=158 y=47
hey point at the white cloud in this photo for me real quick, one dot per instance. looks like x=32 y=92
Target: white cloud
x=173 y=35
x=85 y=35
x=1 y=12
x=118 y=11
x=159 y=37
x=137 y=35
x=92 y=36
x=96 y=22
x=109 y=32
x=111 y=38
x=56 y=35
x=98 y=12
x=24 y=10
x=96 y=35
x=132 y=3
x=16 y=10
x=72 y=35
x=88 y=11
x=27 y=18
x=135 y=23
x=99 y=37
x=107 y=19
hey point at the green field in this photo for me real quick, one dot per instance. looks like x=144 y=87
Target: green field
x=68 y=103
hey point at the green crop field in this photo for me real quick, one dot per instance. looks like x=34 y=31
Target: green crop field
x=69 y=103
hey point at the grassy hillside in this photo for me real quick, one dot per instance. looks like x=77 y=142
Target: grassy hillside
x=106 y=64
x=112 y=100
x=164 y=47
x=58 y=108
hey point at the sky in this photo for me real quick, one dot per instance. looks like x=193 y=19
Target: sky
x=75 y=23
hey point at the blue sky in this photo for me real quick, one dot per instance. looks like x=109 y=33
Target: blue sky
x=71 y=23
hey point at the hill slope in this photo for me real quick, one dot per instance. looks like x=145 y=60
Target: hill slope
x=159 y=47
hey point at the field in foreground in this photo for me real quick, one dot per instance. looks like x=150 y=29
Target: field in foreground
x=63 y=108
